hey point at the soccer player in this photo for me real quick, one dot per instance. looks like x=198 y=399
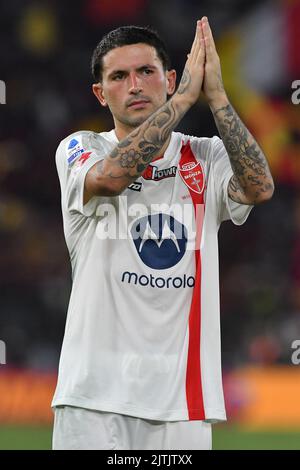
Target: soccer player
x=140 y=365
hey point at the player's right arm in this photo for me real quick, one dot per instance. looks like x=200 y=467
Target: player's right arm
x=128 y=160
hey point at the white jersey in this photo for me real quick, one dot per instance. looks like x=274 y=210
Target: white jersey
x=142 y=335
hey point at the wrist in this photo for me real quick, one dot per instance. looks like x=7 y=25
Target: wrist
x=220 y=101
x=182 y=101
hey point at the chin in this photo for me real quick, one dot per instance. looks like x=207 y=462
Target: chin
x=137 y=121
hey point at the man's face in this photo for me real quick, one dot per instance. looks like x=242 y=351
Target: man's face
x=134 y=84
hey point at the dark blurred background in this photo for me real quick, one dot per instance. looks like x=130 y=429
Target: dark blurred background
x=45 y=50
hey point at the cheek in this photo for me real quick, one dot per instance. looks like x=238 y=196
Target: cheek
x=158 y=86
x=158 y=81
x=113 y=96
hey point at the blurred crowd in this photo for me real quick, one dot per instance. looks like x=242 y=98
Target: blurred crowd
x=45 y=51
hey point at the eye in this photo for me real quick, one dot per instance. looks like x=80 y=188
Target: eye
x=147 y=71
x=118 y=76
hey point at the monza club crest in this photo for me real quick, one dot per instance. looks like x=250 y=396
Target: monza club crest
x=192 y=174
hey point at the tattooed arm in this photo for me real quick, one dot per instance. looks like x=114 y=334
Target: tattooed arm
x=128 y=160
x=252 y=181
x=133 y=154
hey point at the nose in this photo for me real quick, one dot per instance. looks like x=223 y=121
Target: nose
x=134 y=84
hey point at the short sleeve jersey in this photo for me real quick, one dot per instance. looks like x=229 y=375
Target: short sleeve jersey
x=142 y=335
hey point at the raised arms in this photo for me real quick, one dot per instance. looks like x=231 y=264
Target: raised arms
x=252 y=181
x=132 y=155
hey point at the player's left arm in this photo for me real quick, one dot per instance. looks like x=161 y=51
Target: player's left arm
x=252 y=182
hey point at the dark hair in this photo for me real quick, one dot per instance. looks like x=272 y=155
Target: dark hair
x=124 y=36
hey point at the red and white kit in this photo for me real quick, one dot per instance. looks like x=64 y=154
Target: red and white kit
x=142 y=335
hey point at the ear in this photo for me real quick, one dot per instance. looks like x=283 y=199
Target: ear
x=171 y=81
x=99 y=93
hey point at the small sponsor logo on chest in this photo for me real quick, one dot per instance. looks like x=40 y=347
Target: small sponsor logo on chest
x=154 y=174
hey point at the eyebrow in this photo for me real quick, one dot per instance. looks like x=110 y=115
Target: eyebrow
x=146 y=66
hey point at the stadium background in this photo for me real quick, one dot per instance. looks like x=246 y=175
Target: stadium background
x=45 y=62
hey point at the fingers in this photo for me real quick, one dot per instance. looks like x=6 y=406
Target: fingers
x=201 y=52
x=194 y=48
x=194 y=44
x=197 y=49
x=210 y=47
x=204 y=44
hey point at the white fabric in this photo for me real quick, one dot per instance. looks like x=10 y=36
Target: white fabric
x=80 y=429
x=126 y=340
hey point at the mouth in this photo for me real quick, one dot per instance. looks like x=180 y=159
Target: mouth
x=138 y=104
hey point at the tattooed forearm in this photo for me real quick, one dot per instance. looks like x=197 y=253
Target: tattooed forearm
x=252 y=181
x=185 y=81
x=134 y=153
